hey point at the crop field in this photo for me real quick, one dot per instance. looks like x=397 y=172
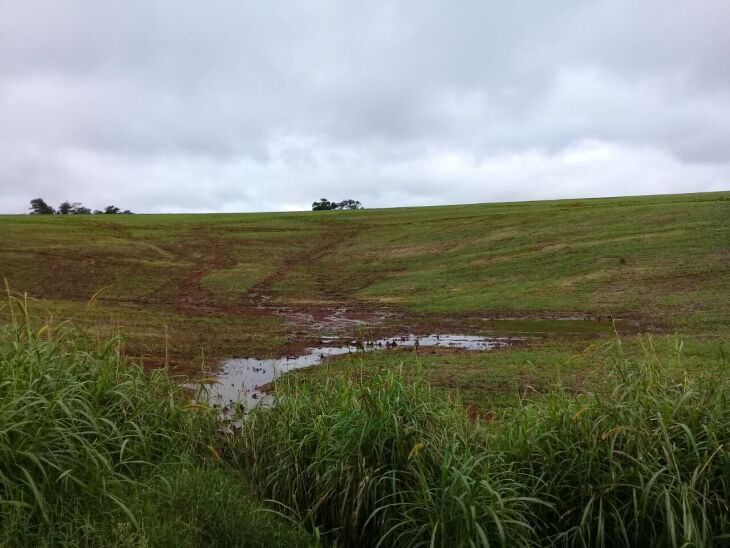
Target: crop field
x=602 y=422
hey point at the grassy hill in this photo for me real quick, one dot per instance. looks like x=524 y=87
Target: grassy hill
x=661 y=261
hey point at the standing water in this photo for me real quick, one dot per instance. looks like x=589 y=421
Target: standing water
x=241 y=380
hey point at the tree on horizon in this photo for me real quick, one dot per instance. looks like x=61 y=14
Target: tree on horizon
x=38 y=206
x=325 y=205
x=75 y=208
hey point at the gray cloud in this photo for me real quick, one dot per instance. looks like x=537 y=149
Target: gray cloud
x=223 y=106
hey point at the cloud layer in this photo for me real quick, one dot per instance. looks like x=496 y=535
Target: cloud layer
x=237 y=106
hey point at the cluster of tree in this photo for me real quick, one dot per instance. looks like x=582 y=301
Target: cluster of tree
x=325 y=205
x=38 y=206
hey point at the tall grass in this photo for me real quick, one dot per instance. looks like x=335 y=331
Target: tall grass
x=389 y=462
x=95 y=451
x=643 y=461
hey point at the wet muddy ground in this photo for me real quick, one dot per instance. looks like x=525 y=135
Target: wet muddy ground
x=333 y=320
x=321 y=333
x=244 y=380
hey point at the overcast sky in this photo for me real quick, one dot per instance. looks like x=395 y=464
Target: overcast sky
x=168 y=106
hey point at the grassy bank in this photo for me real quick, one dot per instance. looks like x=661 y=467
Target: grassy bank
x=529 y=370
x=95 y=452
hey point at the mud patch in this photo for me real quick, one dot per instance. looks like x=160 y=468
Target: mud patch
x=333 y=320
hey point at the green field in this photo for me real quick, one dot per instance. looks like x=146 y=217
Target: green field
x=569 y=278
x=661 y=260
x=187 y=289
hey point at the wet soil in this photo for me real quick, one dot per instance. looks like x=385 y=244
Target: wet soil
x=320 y=333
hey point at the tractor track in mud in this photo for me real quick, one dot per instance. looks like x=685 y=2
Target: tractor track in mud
x=333 y=303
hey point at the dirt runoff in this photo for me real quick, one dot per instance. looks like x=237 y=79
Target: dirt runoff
x=334 y=320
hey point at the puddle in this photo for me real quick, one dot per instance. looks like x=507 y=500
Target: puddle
x=240 y=380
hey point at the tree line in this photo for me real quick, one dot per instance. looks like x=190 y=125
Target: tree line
x=38 y=206
x=325 y=205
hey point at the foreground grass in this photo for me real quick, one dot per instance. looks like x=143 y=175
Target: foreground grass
x=95 y=452
x=641 y=461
